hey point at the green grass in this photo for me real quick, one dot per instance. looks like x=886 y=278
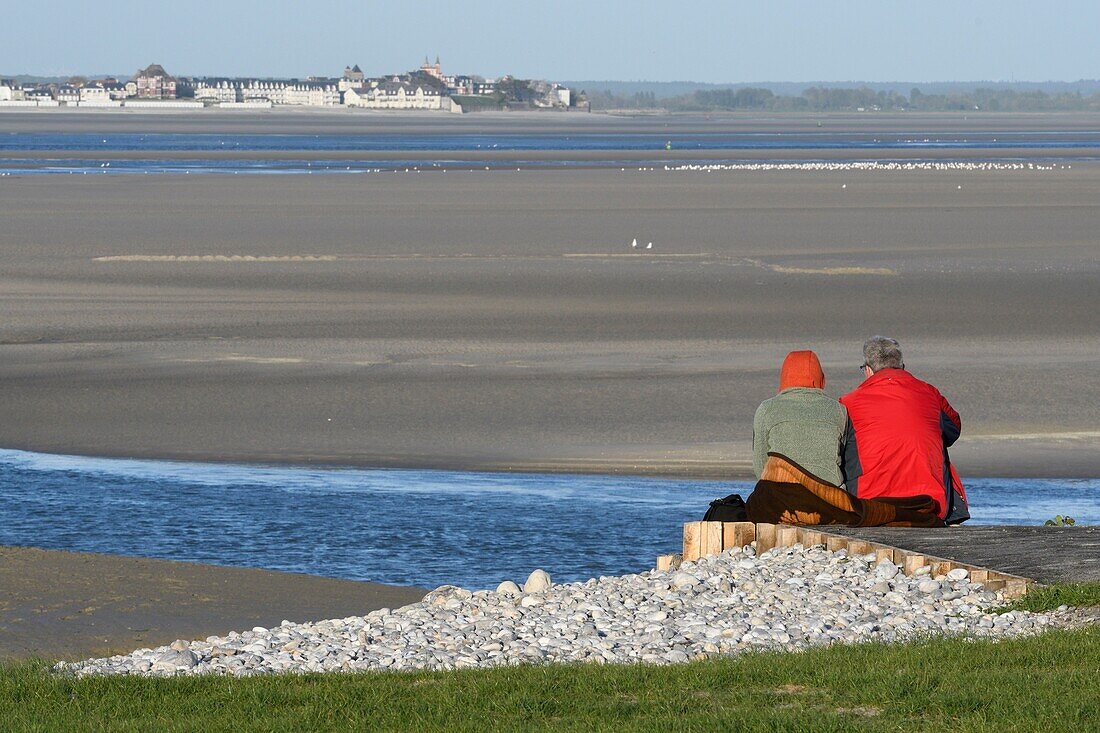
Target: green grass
x=1048 y=683
x=1048 y=598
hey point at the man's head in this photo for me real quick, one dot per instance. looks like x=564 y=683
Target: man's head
x=880 y=352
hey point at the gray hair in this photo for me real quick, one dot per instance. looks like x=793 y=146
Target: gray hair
x=880 y=352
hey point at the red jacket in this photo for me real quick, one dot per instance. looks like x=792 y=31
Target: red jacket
x=902 y=428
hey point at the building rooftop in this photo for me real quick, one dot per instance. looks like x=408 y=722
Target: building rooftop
x=151 y=71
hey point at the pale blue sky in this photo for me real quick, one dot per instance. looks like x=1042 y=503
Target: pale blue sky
x=696 y=40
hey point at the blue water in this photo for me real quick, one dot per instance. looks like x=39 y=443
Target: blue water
x=1038 y=146
x=395 y=526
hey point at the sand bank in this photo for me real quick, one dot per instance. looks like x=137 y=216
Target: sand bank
x=288 y=121
x=461 y=159
x=501 y=320
x=69 y=605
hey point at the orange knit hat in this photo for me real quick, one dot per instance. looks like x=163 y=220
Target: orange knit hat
x=801 y=369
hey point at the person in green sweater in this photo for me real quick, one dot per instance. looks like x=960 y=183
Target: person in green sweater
x=805 y=425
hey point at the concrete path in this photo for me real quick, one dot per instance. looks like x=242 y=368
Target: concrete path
x=1045 y=554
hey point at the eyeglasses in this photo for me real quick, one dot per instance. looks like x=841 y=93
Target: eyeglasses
x=862 y=366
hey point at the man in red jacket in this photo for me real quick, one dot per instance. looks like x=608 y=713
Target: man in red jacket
x=903 y=427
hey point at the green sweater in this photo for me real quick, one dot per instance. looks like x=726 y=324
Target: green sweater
x=805 y=425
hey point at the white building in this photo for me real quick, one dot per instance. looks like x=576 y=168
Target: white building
x=38 y=94
x=311 y=92
x=291 y=92
x=94 y=93
x=356 y=97
x=395 y=94
x=117 y=90
x=68 y=94
x=217 y=90
x=10 y=91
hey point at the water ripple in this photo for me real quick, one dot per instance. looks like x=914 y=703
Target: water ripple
x=399 y=526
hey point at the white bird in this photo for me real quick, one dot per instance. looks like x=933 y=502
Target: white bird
x=649 y=246
x=634 y=243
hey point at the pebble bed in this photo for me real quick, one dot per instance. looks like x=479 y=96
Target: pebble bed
x=786 y=599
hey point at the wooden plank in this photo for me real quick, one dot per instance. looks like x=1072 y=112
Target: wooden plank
x=835 y=543
x=884 y=553
x=736 y=535
x=693 y=535
x=942 y=567
x=1015 y=587
x=810 y=537
x=786 y=536
x=765 y=537
x=912 y=562
x=664 y=562
x=858 y=547
x=995 y=584
x=710 y=542
x=979 y=575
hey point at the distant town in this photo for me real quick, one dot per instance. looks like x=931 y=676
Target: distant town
x=426 y=88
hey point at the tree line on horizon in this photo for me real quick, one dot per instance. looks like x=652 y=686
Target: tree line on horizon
x=826 y=99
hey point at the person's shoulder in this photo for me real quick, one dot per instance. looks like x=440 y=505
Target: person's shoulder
x=821 y=396
x=916 y=382
x=835 y=406
x=765 y=406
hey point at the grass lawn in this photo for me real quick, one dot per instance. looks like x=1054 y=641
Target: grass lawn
x=1050 y=683
x=1046 y=598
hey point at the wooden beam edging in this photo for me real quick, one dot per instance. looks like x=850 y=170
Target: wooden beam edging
x=703 y=539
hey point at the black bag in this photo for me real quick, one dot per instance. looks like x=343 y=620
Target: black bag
x=730 y=509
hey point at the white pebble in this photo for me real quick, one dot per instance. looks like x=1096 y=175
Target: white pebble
x=786 y=599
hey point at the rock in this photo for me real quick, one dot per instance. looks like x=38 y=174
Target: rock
x=682 y=580
x=958 y=574
x=175 y=659
x=928 y=586
x=444 y=593
x=537 y=582
x=179 y=645
x=508 y=588
x=886 y=570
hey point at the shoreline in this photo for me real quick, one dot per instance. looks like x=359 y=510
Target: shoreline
x=608 y=158
x=983 y=459
x=70 y=605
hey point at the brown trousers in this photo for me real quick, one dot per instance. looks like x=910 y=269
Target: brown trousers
x=787 y=494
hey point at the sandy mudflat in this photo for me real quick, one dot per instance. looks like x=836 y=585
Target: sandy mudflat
x=287 y=121
x=501 y=320
x=72 y=605
x=464 y=160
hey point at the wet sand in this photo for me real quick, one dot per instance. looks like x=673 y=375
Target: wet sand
x=289 y=121
x=500 y=320
x=73 y=605
x=464 y=159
